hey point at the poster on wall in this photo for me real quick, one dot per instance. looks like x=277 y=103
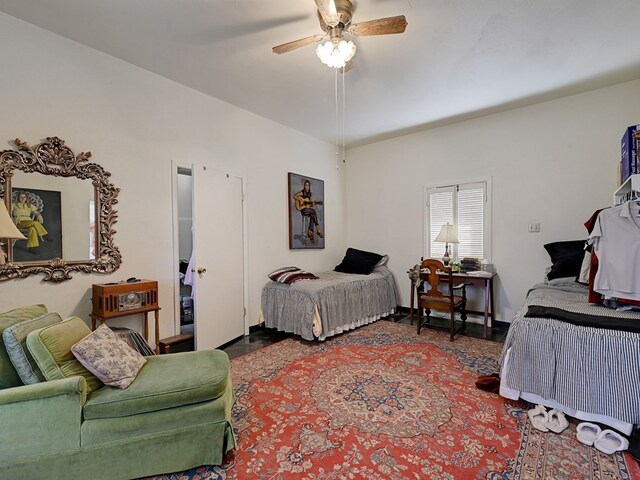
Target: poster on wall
x=37 y=214
x=306 y=212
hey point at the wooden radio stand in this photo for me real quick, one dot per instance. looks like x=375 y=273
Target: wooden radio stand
x=119 y=299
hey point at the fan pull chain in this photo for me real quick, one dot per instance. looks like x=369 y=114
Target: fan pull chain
x=344 y=118
x=341 y=120
x=336 y=95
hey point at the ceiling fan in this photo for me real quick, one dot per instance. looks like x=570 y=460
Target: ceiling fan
x=335 y=20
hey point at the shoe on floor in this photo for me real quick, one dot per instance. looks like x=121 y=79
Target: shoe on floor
x=557 y=421
x=539 y=417
x=587 y=432
x=610 y=442
x=488 y=383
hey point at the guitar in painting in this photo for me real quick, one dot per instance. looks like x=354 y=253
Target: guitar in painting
x=301 y=204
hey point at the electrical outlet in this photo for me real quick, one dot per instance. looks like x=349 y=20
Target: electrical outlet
x=534 y=228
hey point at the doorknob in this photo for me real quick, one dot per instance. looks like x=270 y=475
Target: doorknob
x=202 y=270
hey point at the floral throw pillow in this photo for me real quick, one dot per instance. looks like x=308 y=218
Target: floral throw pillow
x=108 y=357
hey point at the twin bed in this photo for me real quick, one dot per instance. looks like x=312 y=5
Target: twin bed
x=580 y=358
x=332 y=304
x=560 y=351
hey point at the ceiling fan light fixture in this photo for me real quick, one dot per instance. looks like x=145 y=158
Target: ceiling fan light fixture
x=336 y=54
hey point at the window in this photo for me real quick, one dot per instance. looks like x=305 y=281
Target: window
x=467 y=207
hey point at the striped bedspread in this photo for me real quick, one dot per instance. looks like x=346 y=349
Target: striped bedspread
x=589 y=369
x=334 y=303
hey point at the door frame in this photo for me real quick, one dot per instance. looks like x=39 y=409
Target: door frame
x=175 y=164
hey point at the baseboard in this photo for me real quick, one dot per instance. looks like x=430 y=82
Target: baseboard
x=257 y=328
x=502 y=325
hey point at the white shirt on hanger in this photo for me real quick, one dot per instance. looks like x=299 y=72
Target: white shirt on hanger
x=188 y=276
x=616 y=242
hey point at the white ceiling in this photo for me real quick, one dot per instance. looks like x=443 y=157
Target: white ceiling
x=457 y=59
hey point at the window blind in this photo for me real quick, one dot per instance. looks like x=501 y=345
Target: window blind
x=463 y=205
x=440 y=213
x=471 y=220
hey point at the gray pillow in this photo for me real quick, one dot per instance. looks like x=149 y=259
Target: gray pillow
x=15 y=339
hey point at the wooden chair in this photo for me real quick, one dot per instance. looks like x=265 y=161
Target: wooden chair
x=434 y=299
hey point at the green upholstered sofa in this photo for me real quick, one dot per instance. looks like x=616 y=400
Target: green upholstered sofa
x=175 y=415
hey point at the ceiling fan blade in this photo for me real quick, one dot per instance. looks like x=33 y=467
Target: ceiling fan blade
x=328 y=11
x=348 y=67
x=303 y=42
x=381 y=26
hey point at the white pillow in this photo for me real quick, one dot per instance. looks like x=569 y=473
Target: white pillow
x=382 y=261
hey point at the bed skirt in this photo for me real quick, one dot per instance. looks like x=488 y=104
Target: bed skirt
x=335 y=303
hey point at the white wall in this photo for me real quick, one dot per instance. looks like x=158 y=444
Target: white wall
x=553 y=163
x=135 y=123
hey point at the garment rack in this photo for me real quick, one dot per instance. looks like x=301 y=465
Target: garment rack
x=629 y=190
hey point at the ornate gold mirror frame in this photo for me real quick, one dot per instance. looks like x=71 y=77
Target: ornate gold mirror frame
x=53 y=157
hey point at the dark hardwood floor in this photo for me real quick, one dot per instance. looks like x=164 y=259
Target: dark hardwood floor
x=261 y=337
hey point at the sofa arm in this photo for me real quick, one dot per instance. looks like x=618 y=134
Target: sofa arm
x=41 y=419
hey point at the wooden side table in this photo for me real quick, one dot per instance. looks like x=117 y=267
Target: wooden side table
x=120 y=299
x=485 y=280
x=156 y=313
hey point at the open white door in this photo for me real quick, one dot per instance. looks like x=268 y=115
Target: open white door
x=218 y=246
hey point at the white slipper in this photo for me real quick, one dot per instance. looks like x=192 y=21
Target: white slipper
x=610 y=442
x=538 y=417
x=557 y=422
x=587 y=433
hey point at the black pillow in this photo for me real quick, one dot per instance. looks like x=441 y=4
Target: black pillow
x=358 y=261
x=566 y=258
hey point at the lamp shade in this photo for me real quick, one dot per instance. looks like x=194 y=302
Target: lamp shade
x=447 y=234
x=336 y=53
x=7 y=228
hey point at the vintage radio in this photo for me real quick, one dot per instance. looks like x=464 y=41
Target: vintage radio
x=124 y=298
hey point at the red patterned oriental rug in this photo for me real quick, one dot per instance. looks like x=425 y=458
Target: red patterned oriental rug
x=384 y=403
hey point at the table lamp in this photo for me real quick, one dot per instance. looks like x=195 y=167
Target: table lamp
x=7 y=230
x=447 y=235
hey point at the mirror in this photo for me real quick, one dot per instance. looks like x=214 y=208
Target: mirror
x=63 y=204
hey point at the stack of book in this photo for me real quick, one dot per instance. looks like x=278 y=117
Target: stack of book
x=629 y=160
x=469 y=264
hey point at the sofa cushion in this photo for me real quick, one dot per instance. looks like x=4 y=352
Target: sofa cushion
x=15 y=341
x=108 y=357
x=51 y=349
x=165 y=381
x=101 y=430
x=8 y=375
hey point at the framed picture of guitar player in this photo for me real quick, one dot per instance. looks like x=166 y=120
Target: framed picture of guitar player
x=306 y=212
